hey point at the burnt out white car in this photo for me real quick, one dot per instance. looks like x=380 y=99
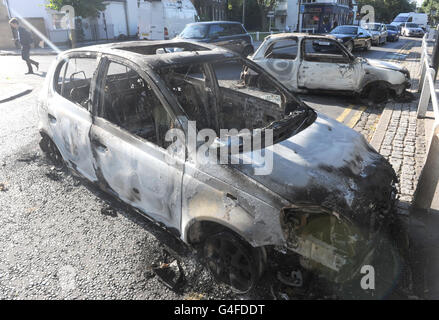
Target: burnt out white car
x=321 y=64
x=316 y=190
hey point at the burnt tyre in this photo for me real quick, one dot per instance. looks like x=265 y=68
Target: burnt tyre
x=51 y=151
x=377 y=93
x=232 y=261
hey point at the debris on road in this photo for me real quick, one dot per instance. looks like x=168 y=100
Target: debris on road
x=171 y=274
x=3 y=187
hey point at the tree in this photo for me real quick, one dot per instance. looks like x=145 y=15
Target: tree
x=431 y=7
x=83 y=8
x=264 y=7
x=387 y=10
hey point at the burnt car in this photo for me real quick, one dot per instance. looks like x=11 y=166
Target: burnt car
x=295 y=61
x=132 y=118
x=227 y=34
x=353 y=37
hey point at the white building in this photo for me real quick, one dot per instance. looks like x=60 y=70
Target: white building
x=119 y=18
x=286 y=15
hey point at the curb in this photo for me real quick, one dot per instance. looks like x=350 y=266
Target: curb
x=383 y=123
x=9 y=54
x=380 y=131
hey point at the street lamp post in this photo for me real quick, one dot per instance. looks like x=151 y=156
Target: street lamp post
x=243 y=12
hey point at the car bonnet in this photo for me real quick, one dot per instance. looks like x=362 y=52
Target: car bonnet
x=327 y=155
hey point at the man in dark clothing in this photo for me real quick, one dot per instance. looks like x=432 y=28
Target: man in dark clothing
x=25 y=39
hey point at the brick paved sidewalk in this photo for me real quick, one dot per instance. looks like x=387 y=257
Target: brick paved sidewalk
x=400 y=136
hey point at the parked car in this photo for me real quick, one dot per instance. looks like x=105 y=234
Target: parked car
x=294 y=61
x=109 y=113
x=227 y=34
x=353 y=37
x=392 y=33
x=412 y=30
x=378 y=32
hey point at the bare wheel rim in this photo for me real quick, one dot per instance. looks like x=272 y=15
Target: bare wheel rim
x=230 y=262
x=54 y=153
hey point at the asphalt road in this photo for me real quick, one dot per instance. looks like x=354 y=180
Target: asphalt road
x=60 y=238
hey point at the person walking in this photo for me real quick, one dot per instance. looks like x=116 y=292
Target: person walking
x=25 y=39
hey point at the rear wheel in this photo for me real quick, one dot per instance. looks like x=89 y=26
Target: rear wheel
x=233 y=261
x=51 y=150
x=377 y=93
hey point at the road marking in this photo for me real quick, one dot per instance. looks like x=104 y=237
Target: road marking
x=345 y=113
x=356 y=117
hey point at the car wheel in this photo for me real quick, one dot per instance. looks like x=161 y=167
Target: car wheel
x=247 y=51
x=51 y=150
x=377 y=93
x=350 y=46
x=233 y=261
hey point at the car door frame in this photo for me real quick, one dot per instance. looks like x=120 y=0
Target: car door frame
x=302 y=60
x=100 y=123
x=294 y=64
x=75 y=147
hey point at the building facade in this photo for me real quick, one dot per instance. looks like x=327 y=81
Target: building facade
x=286 y=15
x=120 y=19
x=321 y=16
x=211 y=10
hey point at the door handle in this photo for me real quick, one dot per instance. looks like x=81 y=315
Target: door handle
x=51 y=118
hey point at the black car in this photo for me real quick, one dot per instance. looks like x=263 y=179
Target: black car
x=226 y=34
x=353 y=37
x=392 y=33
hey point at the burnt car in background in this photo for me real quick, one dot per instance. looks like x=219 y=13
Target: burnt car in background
x=298 y=61
x=105 y=111
x=353 y=37
x=227 y=34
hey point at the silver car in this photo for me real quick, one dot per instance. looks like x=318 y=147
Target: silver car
x=322 y=64
x=130 y=118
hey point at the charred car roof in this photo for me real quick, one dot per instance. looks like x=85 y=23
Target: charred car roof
x=145 y=53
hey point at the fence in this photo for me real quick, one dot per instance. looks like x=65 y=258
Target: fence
x=427 y=193
x=260 y=36
x=427 y=83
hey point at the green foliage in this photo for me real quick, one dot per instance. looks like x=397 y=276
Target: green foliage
x=387 y=10
x=431 y=7
x=83 y=8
